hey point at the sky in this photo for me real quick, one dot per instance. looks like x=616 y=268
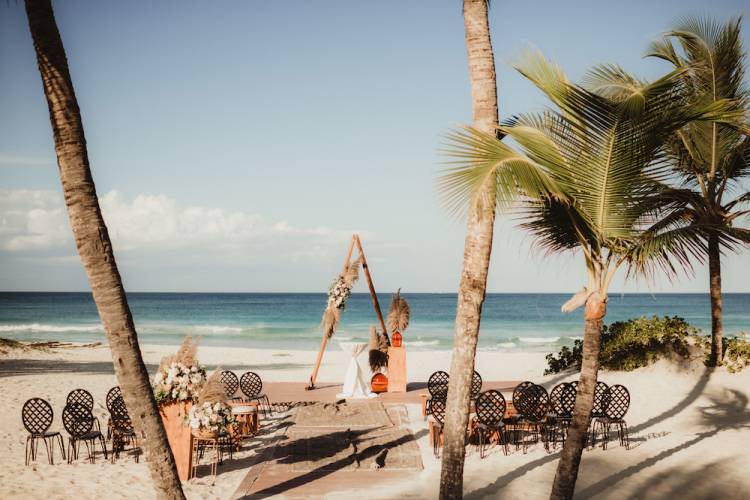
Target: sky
x=236 y=146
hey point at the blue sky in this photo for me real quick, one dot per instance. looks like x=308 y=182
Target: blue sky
x=237 y=145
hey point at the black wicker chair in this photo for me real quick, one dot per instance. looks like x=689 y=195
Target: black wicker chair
x=616 y=405
x=231 y=384
x=37 y=416
x=437 y=413
x=437 y=386
x=84 y=397
x=476 y=385
x=597 y=411
x=489 y=408
x=79 y=422
x=252 y=387
x=532 y=404
x=120 y=426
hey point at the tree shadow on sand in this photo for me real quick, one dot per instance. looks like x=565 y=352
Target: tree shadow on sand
x=518 y=472
x=723 y=415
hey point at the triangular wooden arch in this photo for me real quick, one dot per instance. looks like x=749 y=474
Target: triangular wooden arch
x=355 y=241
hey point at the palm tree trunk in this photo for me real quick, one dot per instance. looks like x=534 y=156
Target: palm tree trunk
x=714 y=272
x=477 y=251
x=570 y=458
x=95 y=249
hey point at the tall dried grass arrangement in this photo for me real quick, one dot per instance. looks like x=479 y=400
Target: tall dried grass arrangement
x=187 y=354
x=378 y=355
x=398 y=316
x=213 y=390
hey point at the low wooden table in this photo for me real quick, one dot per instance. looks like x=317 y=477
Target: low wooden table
x=247 y=414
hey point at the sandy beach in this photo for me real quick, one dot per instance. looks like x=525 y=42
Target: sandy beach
x=684 y=420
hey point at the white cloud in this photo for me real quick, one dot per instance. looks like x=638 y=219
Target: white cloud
x=37 y=220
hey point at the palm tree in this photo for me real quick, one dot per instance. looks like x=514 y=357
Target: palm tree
x=598 y=157
x=477 y=250
x=711 y=159
x=95 y=248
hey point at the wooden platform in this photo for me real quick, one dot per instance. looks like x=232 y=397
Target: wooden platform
x=283 y=392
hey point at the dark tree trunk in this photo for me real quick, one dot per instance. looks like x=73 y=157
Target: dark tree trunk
x=570 y=458
x=714 y=272
x=477 y=251
x=95 y=249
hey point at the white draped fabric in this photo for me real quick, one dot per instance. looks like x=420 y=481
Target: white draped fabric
x=356 y=384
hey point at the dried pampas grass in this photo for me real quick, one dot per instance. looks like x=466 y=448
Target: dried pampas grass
x=352 y=271
x=331 y=317
x=398 y=317
x=212 y=390
x=187 y=354
x=378 y=355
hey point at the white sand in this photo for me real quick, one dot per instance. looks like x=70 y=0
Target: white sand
x=690 y=429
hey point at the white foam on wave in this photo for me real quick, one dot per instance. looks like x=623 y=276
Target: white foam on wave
x=506 y=345
x=39 y=327
x=419 y=343
x=217 y=329
x=539 y=340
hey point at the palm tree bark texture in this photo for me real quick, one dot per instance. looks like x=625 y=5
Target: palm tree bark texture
x=714 y=273
x=477 y=251
x=95 y=249
x=570 y=458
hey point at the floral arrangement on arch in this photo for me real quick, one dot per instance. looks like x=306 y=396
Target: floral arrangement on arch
x=210 y=414
x=180 y=377
x=338 y=293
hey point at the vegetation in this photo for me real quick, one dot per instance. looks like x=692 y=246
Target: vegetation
x=736 y=353
x=592 y=175
x=710 y=160
x=627 y=345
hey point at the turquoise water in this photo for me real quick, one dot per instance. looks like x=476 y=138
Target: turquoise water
x=290 y=320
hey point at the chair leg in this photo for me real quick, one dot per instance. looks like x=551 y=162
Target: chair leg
x=27 y=453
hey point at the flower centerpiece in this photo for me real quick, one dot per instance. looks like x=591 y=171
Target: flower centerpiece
x=338 y=293
x=176 y=386
x=180 y=377
x=210 y=416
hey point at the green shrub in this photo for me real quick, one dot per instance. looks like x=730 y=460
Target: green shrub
x=736 y=352
x=627 y=345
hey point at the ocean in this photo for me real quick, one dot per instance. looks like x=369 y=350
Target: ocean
x=291 y=320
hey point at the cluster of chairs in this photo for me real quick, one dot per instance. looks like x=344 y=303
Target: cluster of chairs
x=534 y=415
x=81 y=425
x=250 y=386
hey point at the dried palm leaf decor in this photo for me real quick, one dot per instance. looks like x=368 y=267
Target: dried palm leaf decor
x=378 y=346
x=398 y=316
x=212 y=390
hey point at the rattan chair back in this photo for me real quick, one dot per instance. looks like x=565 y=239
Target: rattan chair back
x=37 y=416
x=81 y=396
x=251 y=384
x=77 y=420
x=617 y=402
x=555 y=398
x=116 y=403
x=490 y=408
x=599 y=392
x=437 y=385
x=568 y=399
x=230 y=382
x=518 y=400
x=437 y=410
x=476 y=385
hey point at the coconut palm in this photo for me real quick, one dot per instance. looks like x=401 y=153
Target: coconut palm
x=711 y=159
x=599 y=157
x=95 y=248
x=477 y=250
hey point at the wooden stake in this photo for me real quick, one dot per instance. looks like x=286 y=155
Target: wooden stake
x=372 y=287
x=324 y=342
